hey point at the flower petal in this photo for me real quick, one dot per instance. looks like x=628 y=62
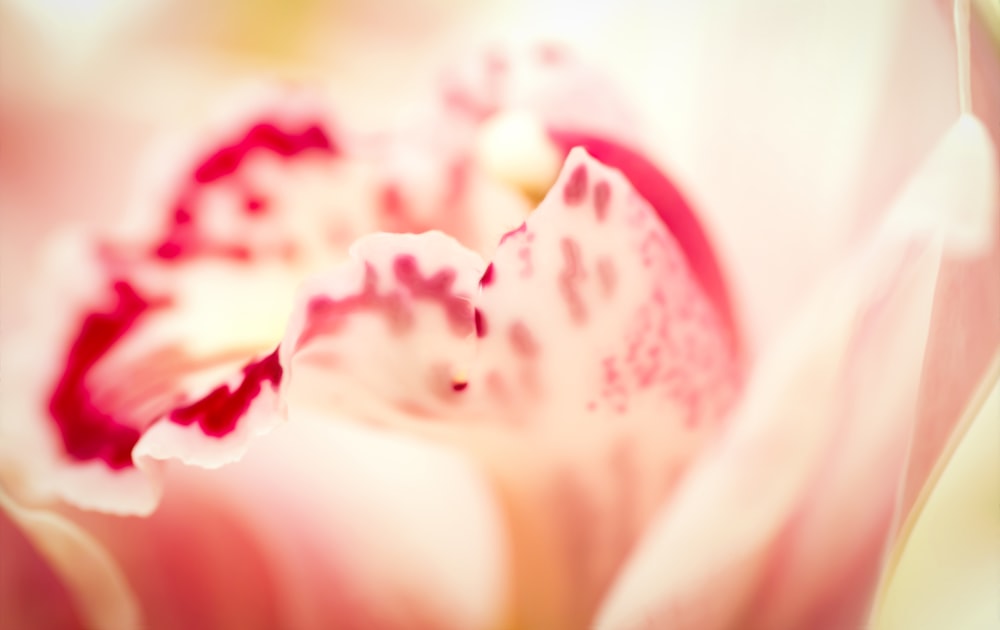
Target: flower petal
x=325 y=521
x=965 y=327
x=590 y=309
x=827 y=496
x=593 y=273
x=386 y=335
x=924 y=586
x=610 y=370
x=96 y=587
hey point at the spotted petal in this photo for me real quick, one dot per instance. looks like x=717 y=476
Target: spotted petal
x=386 y=335
x=812 y=466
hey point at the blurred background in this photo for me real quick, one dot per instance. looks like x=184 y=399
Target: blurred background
x=85 y=85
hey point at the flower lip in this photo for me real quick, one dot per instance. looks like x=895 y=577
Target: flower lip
x=91 y=428
x=668 y=202
x=87 y=431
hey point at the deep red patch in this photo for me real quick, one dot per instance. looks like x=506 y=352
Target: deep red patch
x=480 y=322
x=218 y=413
x=88 y=432
x=669 y=204
x=487 y=278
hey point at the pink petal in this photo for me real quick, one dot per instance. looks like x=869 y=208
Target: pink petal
x=590 y=309
x=601 y=355
x=597 y=371
x=173 y=298
x=812 y=467
x=79 y=571
x=324 y=522
x=965 y=327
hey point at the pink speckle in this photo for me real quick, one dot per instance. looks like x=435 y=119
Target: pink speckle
x=669 y=204
x=607 y=276
x=391 y=203
x=569 y=278
x=602 y=199
x=256 y=205
x=576 y=188
x=524 y=255
x=522 y=341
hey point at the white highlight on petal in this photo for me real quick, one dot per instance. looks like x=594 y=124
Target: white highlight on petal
x=955 y=191
x=92 y=485
x=944 y=573
x=97 y=587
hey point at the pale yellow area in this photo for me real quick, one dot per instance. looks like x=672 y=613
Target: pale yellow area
x=989 y=13
x=514 y=148
x=945 y=572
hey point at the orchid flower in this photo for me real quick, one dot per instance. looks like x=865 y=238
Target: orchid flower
x=518 y=362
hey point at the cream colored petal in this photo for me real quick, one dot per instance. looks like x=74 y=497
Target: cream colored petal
x=945 y=571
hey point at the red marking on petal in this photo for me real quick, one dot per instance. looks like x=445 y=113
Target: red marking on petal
x=487 y=278
x=602 y=198
x=437 y=288
x=576 y=188
x=391 y=202
x=218 y=413
x=459 y=386
x=326 y=316
x=521 y=229
x=607 y=276
x=267 y=136
x=256 y=205
x=669 y=204
x=480 y=322
x=183 y=238
x=89 y=432
x=522 y=340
